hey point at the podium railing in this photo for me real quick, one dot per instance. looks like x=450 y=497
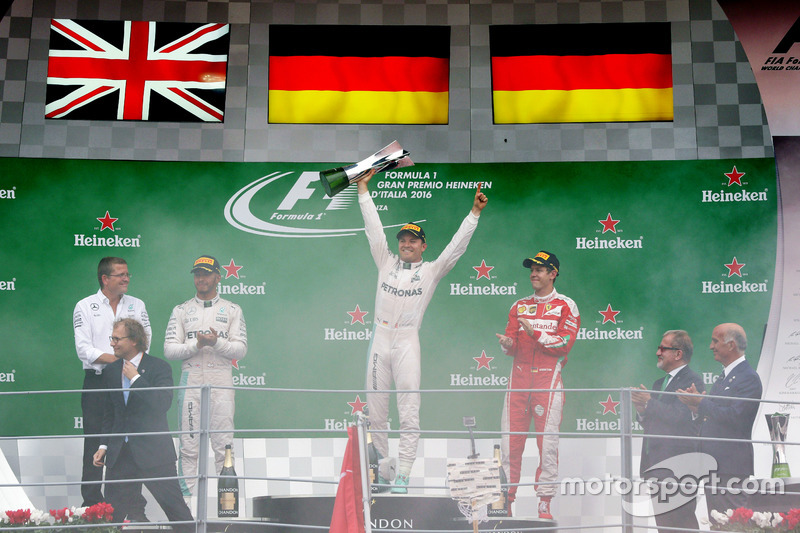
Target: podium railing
x=204 y=521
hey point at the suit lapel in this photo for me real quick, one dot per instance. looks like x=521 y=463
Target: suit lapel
x=719 y=385
x=678 y=381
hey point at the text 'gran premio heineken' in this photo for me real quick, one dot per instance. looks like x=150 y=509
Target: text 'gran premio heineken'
x=228 y=488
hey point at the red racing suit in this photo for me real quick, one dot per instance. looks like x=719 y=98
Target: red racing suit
x=537 y=365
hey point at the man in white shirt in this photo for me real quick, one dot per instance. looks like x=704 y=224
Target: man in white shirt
x=92 y=322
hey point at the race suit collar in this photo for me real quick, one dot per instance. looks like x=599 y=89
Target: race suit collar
x=207 y=303
x=543 y=299
x=409 y=266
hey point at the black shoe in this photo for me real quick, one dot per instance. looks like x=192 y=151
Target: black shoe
x=137 y=517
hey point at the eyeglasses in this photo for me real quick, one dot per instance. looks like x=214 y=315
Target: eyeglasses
x=115 y=340
x=123 y=275
x=665 y=348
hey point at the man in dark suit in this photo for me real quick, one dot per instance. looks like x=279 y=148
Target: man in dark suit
x=130 y=411
x=728 y=418
x=663 y=414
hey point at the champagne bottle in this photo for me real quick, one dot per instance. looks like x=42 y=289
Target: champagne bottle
x=228 y=487
x=374 y=462
x=499 y=507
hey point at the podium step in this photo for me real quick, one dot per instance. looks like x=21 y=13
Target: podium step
x=388 y=511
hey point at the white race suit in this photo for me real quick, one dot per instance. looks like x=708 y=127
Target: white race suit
x=209 y=364
x=404 y=291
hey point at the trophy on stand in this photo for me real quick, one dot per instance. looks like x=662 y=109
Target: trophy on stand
x=335 y=180
x=777 y=424
x=474 y=483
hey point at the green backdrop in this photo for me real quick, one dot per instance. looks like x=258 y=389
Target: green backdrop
x=305 y=264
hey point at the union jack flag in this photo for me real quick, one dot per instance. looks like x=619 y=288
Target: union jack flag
x=124 y=70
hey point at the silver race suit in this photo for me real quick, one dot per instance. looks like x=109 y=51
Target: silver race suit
x=404 y=291
x=207 y=365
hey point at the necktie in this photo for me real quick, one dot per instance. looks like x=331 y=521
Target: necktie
x=126 y=384
x=666 y=382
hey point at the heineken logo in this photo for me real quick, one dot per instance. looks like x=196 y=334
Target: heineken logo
x=107 y=222
x=734 y=177
x=232 y=269
x=469 y=289
x=608 y=332
x=8 y=194
x=615 y=243
x=586 y=424
x=609 y=225
x=245 y=380
x=609 y=315
x=8 y=285
x=356 y=316
x=472 y=380
x=737 y=194
x=614 y=334
x=710 y=287
x=241 y=288
x=733 y=269
x=483 y=270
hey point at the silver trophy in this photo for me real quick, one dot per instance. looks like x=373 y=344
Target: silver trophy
x=335 y=180
x=777 y=424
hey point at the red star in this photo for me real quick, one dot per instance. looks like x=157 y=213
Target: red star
x=232 y=270
x=609 y=224
x=735 y=268
x=734 y=176
x=357 y=315
x=107 y=222
x=609 y=315
x=357 y=405
x=609 y=406
x=235 y=363
x=483 y=361
x=483 y=270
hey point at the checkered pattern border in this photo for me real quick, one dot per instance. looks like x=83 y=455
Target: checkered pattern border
x=718 y=111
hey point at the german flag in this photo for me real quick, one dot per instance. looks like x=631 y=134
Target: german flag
x=358 y=74
x=581 y=73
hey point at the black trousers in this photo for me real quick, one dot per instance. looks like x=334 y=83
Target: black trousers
x=92 y=405
x=167 y=492
x=666 y=514
x=682 y=517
